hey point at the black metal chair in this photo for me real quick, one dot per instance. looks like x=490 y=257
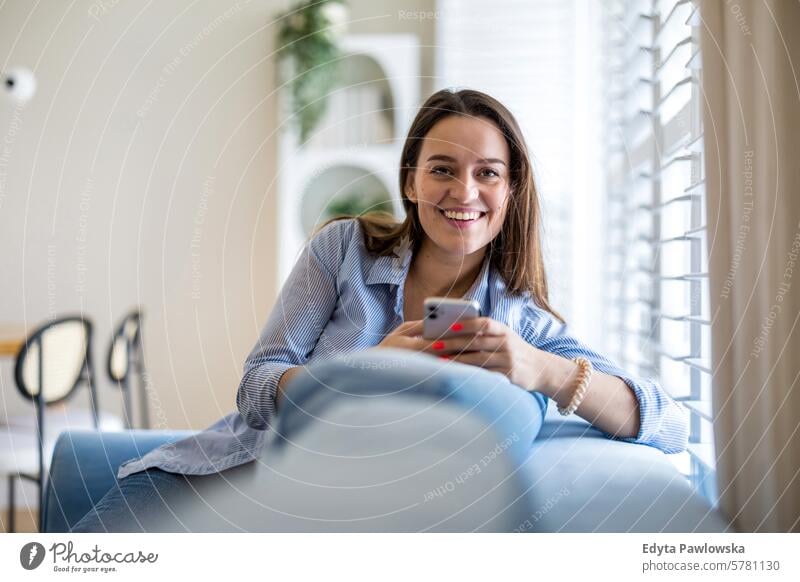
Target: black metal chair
x=126 y=359
x=52 y=363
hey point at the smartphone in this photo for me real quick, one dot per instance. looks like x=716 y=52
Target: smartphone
x=442 y=312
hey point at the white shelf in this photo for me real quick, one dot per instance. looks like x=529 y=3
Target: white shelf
x=335 y=183
x=359 y=140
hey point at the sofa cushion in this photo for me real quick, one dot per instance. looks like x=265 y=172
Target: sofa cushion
x=575 y=478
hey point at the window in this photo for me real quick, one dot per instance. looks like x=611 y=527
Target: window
x=657 y=275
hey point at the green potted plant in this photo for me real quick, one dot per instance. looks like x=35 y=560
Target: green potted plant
x=308 y=46
x=356 y=203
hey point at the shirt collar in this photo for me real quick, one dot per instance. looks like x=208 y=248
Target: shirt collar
x=388 y=270
x=489 y=289
x=393 y=270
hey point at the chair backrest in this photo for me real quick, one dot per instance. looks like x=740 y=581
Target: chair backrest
x=61 y=348
x=123 y=344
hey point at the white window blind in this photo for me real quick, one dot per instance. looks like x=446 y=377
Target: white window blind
x=657 y=290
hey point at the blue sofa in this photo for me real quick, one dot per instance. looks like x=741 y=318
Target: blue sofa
x=577 y=479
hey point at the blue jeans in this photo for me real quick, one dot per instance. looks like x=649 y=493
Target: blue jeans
x=144 y=502
x=499 y=412
x=136 y=501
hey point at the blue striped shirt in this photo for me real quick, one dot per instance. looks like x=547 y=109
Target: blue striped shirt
x=340 y=298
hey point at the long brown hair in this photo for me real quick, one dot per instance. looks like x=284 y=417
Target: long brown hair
x=516 y=252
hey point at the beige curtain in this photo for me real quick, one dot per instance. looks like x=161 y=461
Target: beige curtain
x=751 y=84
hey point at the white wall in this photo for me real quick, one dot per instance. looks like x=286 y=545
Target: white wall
x=141 y=174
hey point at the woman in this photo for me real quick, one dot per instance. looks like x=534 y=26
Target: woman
x=472 y=231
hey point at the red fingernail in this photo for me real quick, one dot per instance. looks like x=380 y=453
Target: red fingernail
x=438 y=345
x=444 y=357
x=457 y=327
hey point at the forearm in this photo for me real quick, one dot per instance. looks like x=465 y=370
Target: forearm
x=285 y=379
x=610 y=404
x=624 y=407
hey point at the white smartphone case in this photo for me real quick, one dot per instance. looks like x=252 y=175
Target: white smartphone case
x=442 y=312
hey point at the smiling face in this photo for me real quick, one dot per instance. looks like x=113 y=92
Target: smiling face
x=460 y=184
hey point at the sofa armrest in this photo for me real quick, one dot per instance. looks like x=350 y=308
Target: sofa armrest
x=584 y=481
x=84 y=468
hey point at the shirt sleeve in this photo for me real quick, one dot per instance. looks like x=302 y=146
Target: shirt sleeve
x=302 y=310
x=663 y=424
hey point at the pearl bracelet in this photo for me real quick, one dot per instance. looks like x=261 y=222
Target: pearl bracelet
x=582 y=385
